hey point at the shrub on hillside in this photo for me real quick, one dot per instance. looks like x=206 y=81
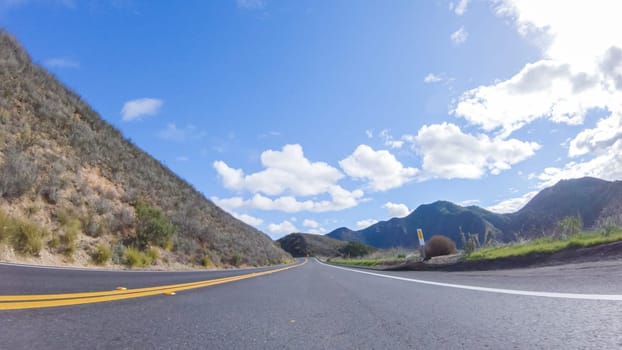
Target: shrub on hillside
x=135 y=258
x=17 y=174
x=101 y=255
x=153 y=227
x=355 y=249
x=439 y=245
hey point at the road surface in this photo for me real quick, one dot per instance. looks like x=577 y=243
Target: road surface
x=316 y=306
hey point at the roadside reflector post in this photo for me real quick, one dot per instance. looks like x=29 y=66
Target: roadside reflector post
x=421 y=243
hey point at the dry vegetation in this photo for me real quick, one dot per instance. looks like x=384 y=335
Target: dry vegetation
x=76 y=186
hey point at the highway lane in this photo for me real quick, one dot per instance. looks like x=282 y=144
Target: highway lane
x=320 y=307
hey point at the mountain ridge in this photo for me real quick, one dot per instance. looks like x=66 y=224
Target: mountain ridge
x=597 y=201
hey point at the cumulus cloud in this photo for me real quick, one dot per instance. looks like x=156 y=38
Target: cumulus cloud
x=607 y=166
x=287 y=171
x=512 y=205
x=459 y=8
x=340 y=199
x=380 y=169
x=232 y=179
x=543 y=89
x=137 y=109
x=365 y=223
x=310 y=223
x=251 y=220
x=580 y=71
x=459 y=36
x=284 y=227
x=449 y=153
x=396 y=210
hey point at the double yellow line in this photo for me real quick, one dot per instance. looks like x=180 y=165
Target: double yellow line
x=15 y=302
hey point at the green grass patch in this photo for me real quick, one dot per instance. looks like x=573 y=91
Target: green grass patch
x=547 y=245
x=367 y=262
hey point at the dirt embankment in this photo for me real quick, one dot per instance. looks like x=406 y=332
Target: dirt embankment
x=609 y=251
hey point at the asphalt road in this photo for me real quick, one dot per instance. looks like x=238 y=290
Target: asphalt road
x=315 y=306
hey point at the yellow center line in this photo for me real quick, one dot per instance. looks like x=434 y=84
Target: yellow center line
x=14 y=302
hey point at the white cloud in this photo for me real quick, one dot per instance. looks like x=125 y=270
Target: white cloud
x=542 y=89
x=182 y=158
x=580 y=71
x=287 y=171
x=389 y=141
x=284 y=227
x=310 y=223
x=598 y=140
x=340 y=199
x=459 y=36
x=460 y=8
x=173 y=133
x=396 y=210
x=365 y=223
x=136 y=109
x=432 y=78
x=469 y=202
x=380 y=168
x=513 y=204
x=251 y=220
x=576 y=31
x=449 y=153
x=60 y=62
x=232 y=179
x=369 y=133
x=607 y=166
x=288 y=174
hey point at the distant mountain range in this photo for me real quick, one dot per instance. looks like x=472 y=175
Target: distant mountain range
x=596 y=201
x=301 y=244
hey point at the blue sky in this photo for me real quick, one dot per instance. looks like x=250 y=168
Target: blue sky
x=311 y=115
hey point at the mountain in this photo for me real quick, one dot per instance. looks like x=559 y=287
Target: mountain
x=76 y=184
x=598 y=202
x=301 y=244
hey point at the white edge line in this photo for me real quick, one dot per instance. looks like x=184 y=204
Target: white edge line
x=614 y=297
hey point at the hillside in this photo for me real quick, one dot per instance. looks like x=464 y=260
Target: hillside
x=598 y=202
x=299 y=244
x=73 y=187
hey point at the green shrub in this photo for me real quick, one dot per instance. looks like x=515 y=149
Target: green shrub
x=570 y=226
x=26 y=238
x=101 y=255
x=235 y=260
x=153 y=254
x=135 y=258
x=17 y=174
x=153 y=227
x=355 y=249
x=72 y=228
x=439 y=245
x=206 y=261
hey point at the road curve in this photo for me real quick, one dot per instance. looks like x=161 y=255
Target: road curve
x=320 y=307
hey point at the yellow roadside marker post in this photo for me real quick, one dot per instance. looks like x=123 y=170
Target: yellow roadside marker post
x=421 y=243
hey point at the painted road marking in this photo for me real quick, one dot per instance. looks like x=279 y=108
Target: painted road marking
x=14 y=302
x=614 y=297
